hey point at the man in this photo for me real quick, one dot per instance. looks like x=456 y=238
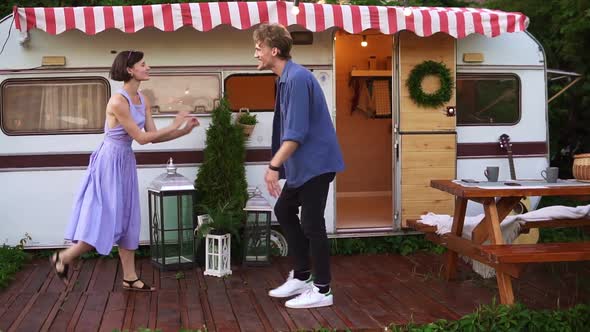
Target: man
x=306 y=153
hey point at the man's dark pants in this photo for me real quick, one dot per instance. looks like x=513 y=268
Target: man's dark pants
x=310 y=233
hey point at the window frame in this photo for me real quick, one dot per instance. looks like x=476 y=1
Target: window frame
x=250 y=74
x=167 y=73
x=493 y=75
x=67 y=79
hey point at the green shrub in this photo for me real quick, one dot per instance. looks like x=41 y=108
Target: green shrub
x=11 y=260
x=403 y=245
x=221 y=179
x=499 y=318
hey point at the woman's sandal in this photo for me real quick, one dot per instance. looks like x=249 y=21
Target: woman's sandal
x=63 y=274
x=130 y=283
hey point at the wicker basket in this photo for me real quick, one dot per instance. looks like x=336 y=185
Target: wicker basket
x=581 y=168
x=246 y=128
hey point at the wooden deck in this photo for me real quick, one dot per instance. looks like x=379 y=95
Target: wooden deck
x=370 y=292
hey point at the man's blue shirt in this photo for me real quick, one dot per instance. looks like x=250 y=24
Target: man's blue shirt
x=305 y=119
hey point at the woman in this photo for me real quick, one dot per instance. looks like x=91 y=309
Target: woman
x=106 y=210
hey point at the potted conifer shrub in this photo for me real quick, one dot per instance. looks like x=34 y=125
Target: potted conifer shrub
x=221 y=179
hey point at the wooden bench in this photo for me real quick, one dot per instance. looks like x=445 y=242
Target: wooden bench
x=554 y=223
x=497 y=204
x=420 y=227
x=524 y=228
x=537 y=253
x=506 y=256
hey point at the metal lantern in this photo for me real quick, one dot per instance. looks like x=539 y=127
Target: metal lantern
x=257 y=230
x=172 y=220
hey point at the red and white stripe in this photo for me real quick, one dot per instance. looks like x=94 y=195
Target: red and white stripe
x=424 y=21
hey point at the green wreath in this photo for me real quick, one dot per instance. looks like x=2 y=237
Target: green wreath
x=440 y=96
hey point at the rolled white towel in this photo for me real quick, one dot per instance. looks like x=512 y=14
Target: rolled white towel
x=556 y=212
x=510 y=226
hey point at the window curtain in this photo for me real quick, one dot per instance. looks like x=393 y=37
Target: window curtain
x=71 y=107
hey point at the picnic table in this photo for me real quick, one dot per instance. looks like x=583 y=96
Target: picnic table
x=498 y=200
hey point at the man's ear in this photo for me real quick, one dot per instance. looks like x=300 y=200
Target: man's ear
x=275 y=51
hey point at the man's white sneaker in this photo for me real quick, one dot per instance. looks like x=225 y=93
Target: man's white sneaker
x=291 y=287
x=312 y=298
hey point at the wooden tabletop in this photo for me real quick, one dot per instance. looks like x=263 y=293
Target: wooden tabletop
x=470 y=190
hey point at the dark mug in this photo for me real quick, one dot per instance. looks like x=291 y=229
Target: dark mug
x=491 y=173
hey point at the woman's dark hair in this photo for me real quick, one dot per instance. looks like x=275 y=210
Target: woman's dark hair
x=124 y=60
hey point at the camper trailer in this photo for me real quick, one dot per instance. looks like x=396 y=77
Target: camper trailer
x=54 y=87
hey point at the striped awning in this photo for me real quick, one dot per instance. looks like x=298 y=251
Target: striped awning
x=424 y=21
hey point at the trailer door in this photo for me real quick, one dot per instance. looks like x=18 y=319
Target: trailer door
x=425 y=137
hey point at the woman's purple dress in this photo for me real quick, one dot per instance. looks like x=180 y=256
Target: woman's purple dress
x=106 y=209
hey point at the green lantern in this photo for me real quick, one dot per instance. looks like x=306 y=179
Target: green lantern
x=172 y=220
x=257 y=230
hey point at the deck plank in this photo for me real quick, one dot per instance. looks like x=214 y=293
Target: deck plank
x=85 y=271
x=348 y=309
x=92 y=312
x=221 y=309
x=246 y=309
x=435 y=307
x=257 y=280
x=35 y=317
x=114 y=313
x=168 y=318
x=332 y=319
x=10 y=315
x=20 y=279
x=27 y=296
x=366 y=292
x=66 y=311
x=141 y=310
x=192 y=301
x=295 y=319
x=370 y=292
x=150 y=273
x=462 y=296
x=106 y=273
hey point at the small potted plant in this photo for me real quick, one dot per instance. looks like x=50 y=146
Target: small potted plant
x=247 y=121
x=221 y=220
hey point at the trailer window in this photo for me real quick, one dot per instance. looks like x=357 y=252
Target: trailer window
x=488 y=99
x=35 y=106
x=171 y=93
x=253 y=91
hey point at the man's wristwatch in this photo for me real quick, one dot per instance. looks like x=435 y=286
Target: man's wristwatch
x=273 y=168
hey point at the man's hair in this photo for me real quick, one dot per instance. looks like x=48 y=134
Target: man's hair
x=275 y=35
x=124 y=60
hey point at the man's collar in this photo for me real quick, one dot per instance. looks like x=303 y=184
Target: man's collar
x=285 y=73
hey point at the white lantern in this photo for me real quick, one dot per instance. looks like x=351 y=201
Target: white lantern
x=217 y=255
